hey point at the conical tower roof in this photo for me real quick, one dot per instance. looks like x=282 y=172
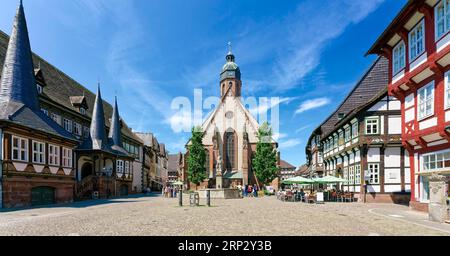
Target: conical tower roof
x=115 y=131
x=98 y=131
x=18 y=82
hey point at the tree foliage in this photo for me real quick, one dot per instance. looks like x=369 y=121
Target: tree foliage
x=265 y=159
x=197 y=157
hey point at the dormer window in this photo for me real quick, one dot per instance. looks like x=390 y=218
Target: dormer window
x=83 y=111
x=40 y=89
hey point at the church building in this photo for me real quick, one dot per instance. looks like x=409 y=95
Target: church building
x=230 y=134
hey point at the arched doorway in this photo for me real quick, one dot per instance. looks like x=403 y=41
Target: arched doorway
x=124 y=190
x=42 y=196
x=86 y=170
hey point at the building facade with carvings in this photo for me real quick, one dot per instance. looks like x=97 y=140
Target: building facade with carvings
x=230 y=134
x=417 y=45
x=59 y=141
x=361 y=142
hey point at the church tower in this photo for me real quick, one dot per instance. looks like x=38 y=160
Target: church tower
x=230 y=78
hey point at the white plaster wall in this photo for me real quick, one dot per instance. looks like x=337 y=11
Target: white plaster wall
x=379 y=106
x=419 y=61
x=408 y=188
x=392 y=157
x=409 y=100
x=407 y=175
x=392 y=176
x=373 y=155
x=447 y=114
x=357 y=156
x=352 y=158
x=395 y=125
x=392 y=188
x=441 y=44
x=428 y=123
x=409 y=115
x=395 y=105
x=373 y=188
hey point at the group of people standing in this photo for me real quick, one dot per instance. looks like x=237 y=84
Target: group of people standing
x=170 y=191
x=250 y=191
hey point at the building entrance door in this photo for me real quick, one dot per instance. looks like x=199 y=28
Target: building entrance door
x=86 y=170
x=124 y=190
x=42 y=196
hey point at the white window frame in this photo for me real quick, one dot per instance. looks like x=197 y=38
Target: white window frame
x=86 y=131
x=420 y=101
x=447 y=90
x=53 y=155
x=412 y=38
x=433 y=159
x=38 y=149
x=357 y=174
x=68 y=125
x=127 y=167
x=398 y=58
x=119 y=166
x=39 y=88
x=77 y=129
x=445 y=19
x=348 y=136
x=45 y=111
x=355 y=132
x=20 y=149
x=346 y=176
x=351 y=177
x=55 y=117
x=372 y=132
x=82 y=111
x=67 y=157
x=374 y=173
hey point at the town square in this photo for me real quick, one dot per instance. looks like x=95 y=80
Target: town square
x=192 y=118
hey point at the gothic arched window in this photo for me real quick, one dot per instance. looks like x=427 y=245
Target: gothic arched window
x=207 y=163
x=230 y=151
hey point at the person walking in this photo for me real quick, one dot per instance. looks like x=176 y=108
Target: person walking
x=255 y=190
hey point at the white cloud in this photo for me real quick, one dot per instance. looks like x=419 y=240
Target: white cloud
x=278 y=136
x=290 y=143
x=274 y=102
x=312 y=104
x=302 y=128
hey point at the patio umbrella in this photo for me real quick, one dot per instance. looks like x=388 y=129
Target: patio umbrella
x=178 y=183
x=298 y=180
x=330 y=180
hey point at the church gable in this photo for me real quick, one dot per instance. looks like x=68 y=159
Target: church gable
x=230 y=115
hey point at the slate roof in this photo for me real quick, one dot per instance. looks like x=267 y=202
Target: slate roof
x=286 y=165
x=371 y=84
x=18 y=94
x=114 y=132
x=60 y=87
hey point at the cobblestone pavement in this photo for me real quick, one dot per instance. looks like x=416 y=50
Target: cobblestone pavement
x=253 y=216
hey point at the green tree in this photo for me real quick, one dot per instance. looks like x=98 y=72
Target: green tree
x=265 y=159
x=197 y=157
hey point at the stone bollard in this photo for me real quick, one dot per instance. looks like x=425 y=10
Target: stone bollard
x=180 y=198
x=208 y=198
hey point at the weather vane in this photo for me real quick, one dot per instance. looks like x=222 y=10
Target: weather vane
x=229 y=47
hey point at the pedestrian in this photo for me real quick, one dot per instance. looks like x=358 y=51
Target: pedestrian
x=255 y=191
x=163 y=193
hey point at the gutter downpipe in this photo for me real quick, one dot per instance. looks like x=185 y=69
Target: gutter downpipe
x=1 y=168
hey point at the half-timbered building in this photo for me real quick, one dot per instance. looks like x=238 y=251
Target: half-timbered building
x=417 y=45
x=45 y=124
x=361 y=142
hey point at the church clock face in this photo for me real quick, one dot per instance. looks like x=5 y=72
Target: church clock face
x=229 y=115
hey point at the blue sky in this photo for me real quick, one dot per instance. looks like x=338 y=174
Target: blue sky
x=309 y=53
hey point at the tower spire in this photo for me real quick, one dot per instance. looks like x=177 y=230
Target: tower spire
x=114 y=132
x=18 y=82
x=98 y=131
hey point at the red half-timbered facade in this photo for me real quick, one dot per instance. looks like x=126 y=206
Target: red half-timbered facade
x=417 y=45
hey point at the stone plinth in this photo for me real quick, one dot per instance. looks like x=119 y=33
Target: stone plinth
x=225 y=193
x=438 y=209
